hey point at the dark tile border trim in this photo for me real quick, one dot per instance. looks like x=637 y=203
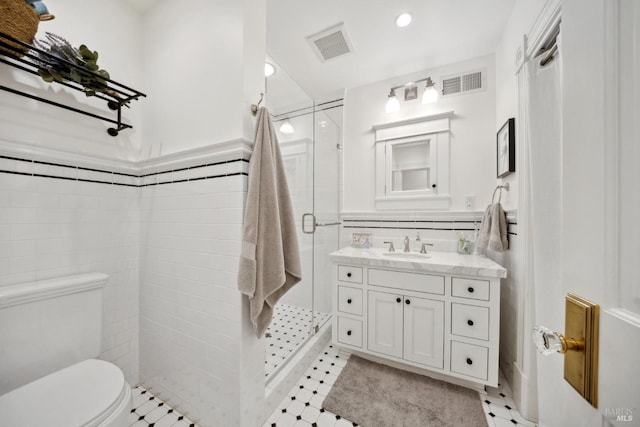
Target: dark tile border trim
x=465 y=225
x=66 y=178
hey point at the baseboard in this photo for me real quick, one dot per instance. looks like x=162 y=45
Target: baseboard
x=524 y=394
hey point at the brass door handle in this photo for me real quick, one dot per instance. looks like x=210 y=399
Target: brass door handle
x=549 y=342
x=579 y=346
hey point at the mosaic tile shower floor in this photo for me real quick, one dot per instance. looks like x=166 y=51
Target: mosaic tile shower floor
x=287 y=332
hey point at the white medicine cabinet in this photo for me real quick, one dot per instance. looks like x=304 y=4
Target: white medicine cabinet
x=412 y=163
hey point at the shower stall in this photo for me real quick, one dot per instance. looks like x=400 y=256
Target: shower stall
x=310 y=138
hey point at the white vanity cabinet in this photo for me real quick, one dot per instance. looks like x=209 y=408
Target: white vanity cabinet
x=440 y=314
x=406 y=326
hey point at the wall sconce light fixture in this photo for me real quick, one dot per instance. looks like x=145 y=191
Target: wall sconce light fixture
x=429 y=96
x=392 y=104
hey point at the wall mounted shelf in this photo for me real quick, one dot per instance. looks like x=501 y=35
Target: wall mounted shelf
x=122 y=94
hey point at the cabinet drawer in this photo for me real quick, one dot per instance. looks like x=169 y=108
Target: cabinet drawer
x=346 y=273
x=470 y=321
x=469 y=359
x=410 y=281
x=470 y=288
x=350 y=331
x=350 y=300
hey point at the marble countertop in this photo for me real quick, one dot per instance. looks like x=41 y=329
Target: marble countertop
x=436 y=262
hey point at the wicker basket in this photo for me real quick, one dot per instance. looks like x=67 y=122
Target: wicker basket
x=19 y=20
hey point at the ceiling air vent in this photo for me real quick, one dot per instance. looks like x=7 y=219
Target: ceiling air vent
x=330 y=43
x=462 y=83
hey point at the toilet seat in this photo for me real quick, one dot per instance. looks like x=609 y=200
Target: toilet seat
x=91 y=393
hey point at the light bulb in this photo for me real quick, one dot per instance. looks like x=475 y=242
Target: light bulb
x=269 y=69
x=392 y=104
x=286 y=128
x=430 y=94
x=403 y=20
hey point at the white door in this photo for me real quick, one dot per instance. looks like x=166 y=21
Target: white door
x=598 y=191
x=384 y=323
x=424 y=331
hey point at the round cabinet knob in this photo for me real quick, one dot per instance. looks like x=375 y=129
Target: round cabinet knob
x=470 y=322
x=470 y=289
x=433 y=185
x=469 y=361
x=398 y=299
x=349 y=301
x=349 y=333
x=408 y=301
x=348 y=274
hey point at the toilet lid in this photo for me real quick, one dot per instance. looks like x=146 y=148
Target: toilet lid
x=83 y=394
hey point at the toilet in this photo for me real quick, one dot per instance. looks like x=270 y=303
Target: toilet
x=50 y=336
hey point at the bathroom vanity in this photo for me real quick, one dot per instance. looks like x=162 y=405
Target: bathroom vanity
x=438 y=312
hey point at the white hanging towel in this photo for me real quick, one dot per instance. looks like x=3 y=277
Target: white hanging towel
x=493 y=231
x=270 y=259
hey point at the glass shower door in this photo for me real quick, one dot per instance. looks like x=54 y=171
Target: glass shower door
x=292 y=322
x=327 y=186
x=309 y=138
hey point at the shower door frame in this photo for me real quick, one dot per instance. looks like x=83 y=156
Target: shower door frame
x=312 y=156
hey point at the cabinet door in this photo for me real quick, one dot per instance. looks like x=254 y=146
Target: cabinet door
x=384 y=323
x=424 y=331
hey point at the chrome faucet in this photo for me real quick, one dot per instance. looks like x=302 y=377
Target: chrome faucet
x=407 y=244
x=424 y=247
x=391 y=248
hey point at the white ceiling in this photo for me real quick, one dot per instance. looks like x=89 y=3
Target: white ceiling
x=442 y=32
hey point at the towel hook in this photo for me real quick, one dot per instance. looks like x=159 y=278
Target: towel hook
x=499 y=187
x=254 y=107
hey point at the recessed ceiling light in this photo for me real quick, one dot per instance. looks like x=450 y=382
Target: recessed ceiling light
x=269 y=69
x=403 y=20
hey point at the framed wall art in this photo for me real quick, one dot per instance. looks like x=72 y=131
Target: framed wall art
x=506 y=148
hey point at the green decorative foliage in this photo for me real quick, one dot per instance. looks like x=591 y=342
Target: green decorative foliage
x=55 y=68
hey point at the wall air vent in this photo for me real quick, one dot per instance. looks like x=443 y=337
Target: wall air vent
x=330 y=43
x=460 y=83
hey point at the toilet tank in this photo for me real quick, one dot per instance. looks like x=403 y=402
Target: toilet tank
x=48 y=325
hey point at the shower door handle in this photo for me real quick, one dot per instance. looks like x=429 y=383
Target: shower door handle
x=313 y=223
x=328 y=223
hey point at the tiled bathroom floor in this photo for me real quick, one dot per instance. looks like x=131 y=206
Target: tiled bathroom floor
x=303 y=405
x=149 y=411
x=288 y=330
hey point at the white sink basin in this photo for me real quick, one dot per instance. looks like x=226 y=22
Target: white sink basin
x=406 y=255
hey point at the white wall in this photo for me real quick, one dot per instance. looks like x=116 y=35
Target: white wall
x=190 y=318
x=107 y=27
x=203 y=64
x=472 y=146
x=522 y=18
x=52 y=227
x=513 y=362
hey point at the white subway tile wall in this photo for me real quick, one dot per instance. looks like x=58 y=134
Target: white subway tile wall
x=52 y=227
x=198 y=352
x=190 y=309
x=441 y=229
